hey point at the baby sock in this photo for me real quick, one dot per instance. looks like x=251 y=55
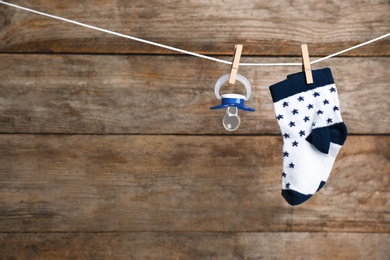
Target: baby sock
x=299 y=113
x=329 y=131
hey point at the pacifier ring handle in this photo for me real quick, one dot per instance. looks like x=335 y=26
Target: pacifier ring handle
x=240 y=78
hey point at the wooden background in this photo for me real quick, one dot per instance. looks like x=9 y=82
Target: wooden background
x=109 y=149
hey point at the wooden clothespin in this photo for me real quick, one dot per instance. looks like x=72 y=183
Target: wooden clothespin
x=236 y=63
x=306 y=64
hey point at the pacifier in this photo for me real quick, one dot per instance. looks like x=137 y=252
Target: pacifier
x=232 y=102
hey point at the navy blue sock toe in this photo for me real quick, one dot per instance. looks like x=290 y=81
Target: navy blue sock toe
x=322 y=184
x=294 y=198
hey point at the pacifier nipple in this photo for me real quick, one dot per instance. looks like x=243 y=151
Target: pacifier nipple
x=231 y=121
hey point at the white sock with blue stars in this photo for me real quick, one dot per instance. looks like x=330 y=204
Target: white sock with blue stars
x=328 y=124
x=308 y=127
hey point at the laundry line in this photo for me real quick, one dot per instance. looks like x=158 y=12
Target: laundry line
x=185 y=51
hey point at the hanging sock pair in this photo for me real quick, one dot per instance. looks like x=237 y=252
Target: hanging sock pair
x=312 y=129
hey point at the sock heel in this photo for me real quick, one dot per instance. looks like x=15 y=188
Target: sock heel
x=320 y=139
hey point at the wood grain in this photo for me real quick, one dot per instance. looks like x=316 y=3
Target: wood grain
x=147 y=170
x=167 y=95
x=274 y=28
x=178 y=183
x=348 y=246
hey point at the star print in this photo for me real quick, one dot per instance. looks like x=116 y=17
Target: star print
x=285 y=104
x=285 y=154
x=306 y=119
x=316 y=94
x=292 y=123
x=288 y=186
x=301 y=98
x=286 y=136
x=319 y=112
x=329 y=121
x=332 y=89
x=295 y=143
x=325 y=102
x=335 y=108
x=291 y=166
x=302 y=133
x=310 y=106
x=279 y=117
x=284 y=174
x=295 y=111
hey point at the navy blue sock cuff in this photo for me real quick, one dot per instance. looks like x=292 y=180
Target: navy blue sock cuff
x=296 y=83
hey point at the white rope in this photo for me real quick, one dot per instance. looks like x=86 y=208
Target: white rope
x=184 y=51
x=351 y=48
x=117 y=34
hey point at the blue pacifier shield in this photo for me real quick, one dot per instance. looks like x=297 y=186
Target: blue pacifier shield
x=233 y=100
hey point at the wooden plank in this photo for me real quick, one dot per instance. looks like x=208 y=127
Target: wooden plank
x=167 y=95
x=178 y=183
x=195 y=246
x=211 y=27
